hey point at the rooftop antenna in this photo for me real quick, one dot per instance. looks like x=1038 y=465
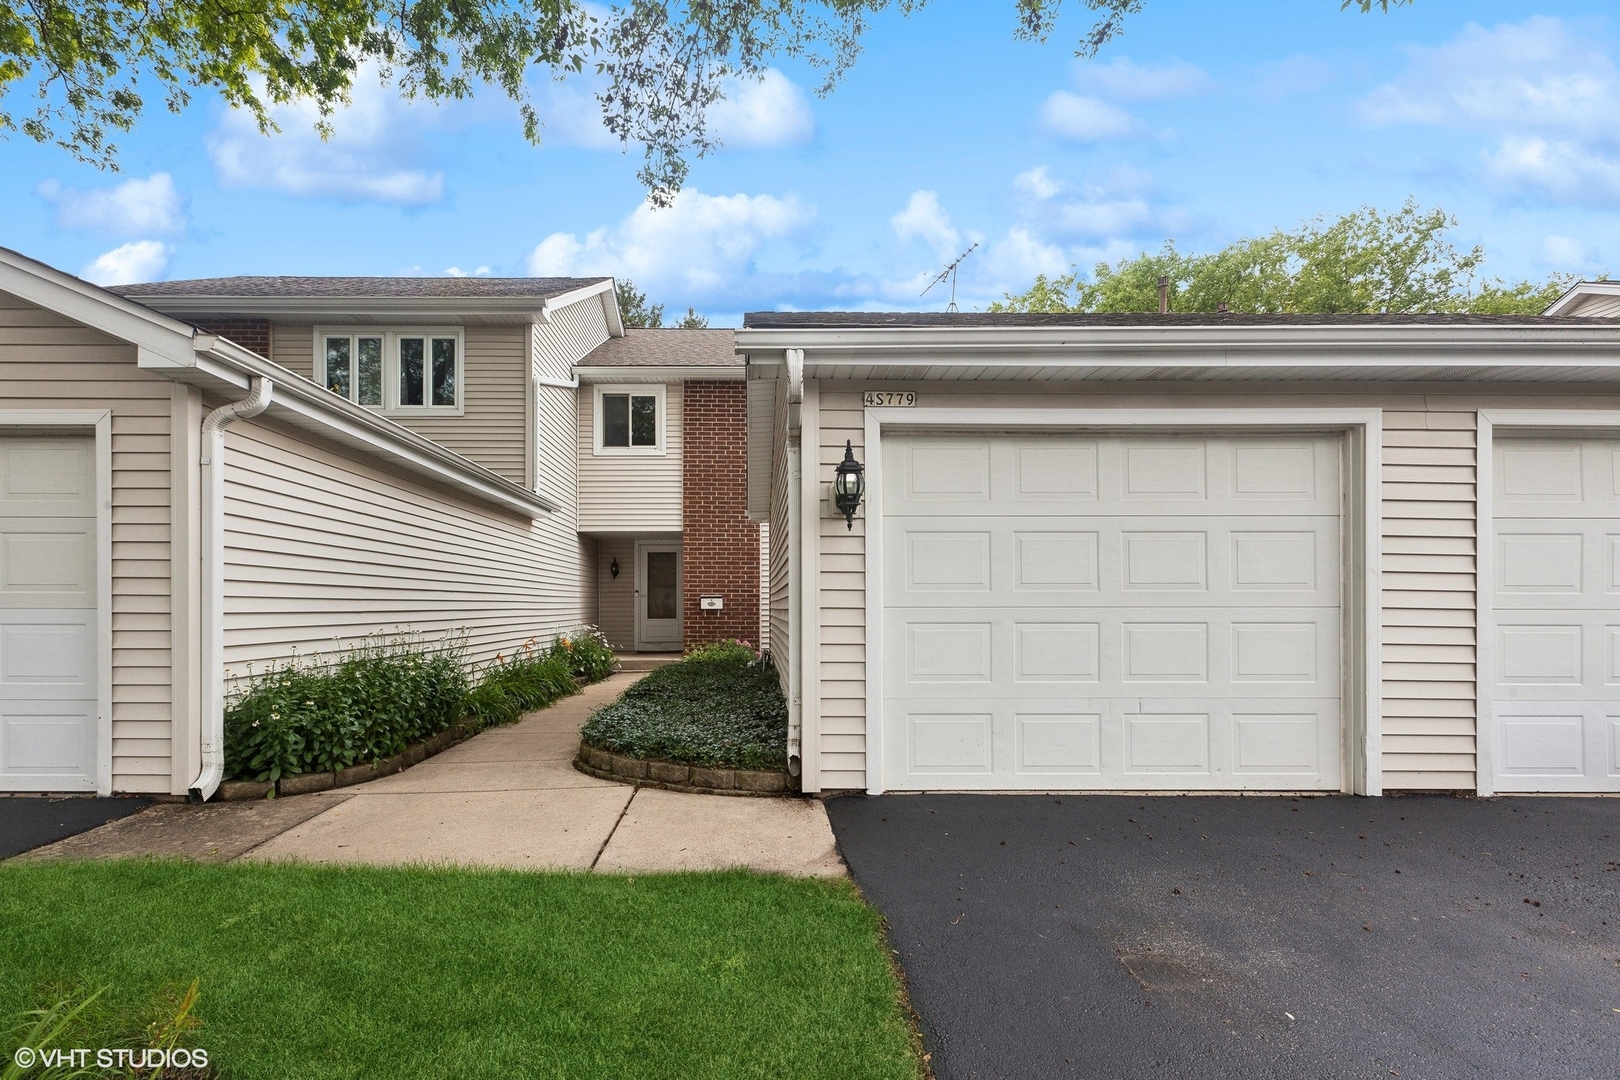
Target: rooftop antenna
x=950 y=272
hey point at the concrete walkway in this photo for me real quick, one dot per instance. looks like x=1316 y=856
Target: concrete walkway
x=509 y=798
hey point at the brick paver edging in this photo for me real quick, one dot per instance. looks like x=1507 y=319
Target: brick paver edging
x=305 y=783
x=674 y=776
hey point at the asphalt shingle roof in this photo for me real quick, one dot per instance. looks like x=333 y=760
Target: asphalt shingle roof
x=356 y=287
x=666 y=348
x=853 y=320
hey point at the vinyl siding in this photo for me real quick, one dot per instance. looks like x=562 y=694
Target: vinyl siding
x=48 y=361
x=764 y=587
x=841 y=578
x=629 y=493
x=778 y=590
x=493 y=428
x=1428 y=599
x=557 y=345
x=1428 y=586
x=618 y=595
x=1599 y=307
x=323 y=548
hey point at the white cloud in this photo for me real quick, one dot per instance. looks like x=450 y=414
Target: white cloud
x=129 y=264
x=699 y=246
x=771 y=111
x=1085 y=119
x=1568 y=253
x=1125 y=80
x=456 y=271
x=924 y=219
x=134 y=208
x=373 y=155
x=1550 y=99
x=1037 y=183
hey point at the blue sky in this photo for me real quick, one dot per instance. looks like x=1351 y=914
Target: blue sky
x=1203 y=123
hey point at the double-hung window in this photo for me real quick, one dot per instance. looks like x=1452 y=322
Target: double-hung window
x=630 y=420
x=391 y=370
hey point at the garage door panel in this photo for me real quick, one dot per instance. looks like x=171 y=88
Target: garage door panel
x=1117 y=612
x=48 y=686
x=1555 y=599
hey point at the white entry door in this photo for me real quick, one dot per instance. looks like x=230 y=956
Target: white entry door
x=1111 y=612
x=1555 y=599
x=658 y=597
x=48 y=732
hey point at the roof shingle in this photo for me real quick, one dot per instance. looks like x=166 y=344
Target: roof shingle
x=231 y=288
x=864 y=320
x=666 y=348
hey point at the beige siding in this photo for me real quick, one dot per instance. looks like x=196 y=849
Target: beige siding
x=47 y=361
x=842 y=582
x=323 y=548
x=764 y=587
x=617 y=604
x=1599 y=307
x=558 y=345
x=781 y=635
x=1428 y=599
x=1428 y=587
x=629 y=493
x=493 y=428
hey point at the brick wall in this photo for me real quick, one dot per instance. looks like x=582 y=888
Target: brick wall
x=249 y=333
x=719 y=545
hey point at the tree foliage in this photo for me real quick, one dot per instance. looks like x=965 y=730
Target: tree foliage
x=87 y=63
x=1364 y=262
x=636 y=313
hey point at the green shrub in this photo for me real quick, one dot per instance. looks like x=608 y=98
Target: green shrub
x=586 y=652
x=720 y=707
x=513 y=686
x=368 y=705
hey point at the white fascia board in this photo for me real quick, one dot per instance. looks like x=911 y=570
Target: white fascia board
x=1203 y=347
x=659 y=374
x=1579 y=291
x=602 y=291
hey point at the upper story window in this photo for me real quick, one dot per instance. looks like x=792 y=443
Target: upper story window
x=393 y=369
x=630 y=419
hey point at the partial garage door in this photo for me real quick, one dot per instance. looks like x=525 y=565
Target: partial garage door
x=1072 y=612
x=1556 y=603
x=47 y=614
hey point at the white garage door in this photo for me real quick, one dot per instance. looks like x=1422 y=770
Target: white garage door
x=1138 y=613
x=47 y=614
x=1556 y=603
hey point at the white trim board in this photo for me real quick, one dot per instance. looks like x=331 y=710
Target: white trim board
x=1363 y=700
x=98 y=421
x=1515 y=421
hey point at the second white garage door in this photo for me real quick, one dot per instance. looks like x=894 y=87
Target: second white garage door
x=1111 y=612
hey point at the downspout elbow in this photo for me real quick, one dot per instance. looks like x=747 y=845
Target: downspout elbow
x=212 y=661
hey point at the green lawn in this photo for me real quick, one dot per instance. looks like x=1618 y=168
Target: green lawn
x=329 y=972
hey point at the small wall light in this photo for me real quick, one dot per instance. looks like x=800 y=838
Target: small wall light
x=848 y=486
x=613 y=568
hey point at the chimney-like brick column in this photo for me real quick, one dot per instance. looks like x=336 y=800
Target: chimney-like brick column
x=719 y=545
x=251 y=334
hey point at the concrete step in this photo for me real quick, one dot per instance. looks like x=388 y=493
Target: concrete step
x=645 y=661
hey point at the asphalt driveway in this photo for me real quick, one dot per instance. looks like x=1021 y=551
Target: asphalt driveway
x=31 y=821
x=1255 y=937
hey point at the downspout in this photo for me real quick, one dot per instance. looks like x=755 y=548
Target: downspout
x=211 y=666
x=795 y=396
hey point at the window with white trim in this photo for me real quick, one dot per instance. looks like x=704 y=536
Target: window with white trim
x=393 y=370
x=630 y=420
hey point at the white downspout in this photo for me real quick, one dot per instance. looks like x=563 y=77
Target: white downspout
x=795 y=652
x=211 y=666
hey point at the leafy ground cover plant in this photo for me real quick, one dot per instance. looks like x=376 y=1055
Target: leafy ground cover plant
x=720 y=707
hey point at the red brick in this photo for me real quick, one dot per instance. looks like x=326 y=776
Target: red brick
x=719 y=545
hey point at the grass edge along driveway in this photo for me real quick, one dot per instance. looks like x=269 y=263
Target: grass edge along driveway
x=359 y=971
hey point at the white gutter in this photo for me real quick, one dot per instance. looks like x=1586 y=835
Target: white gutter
x=558 y=384
x=212 y=666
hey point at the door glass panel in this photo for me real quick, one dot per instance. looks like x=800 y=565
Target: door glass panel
x=662 y=572
x=615 y=420
x=410 y=371
x=369 y=371
x=643 y=421
x=444 y=371
x=337 y=365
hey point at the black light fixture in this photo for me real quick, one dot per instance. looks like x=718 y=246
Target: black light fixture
x=613 y=568
x=848 y=486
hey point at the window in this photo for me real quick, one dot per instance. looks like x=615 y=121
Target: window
x=630 y=420
x=393 y=369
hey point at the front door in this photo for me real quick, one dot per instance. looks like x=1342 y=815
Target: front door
x=658 y=597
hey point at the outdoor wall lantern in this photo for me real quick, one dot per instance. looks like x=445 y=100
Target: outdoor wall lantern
x=613 y=568
x=848 y=486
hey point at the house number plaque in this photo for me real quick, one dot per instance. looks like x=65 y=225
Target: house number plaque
x=905 y=399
